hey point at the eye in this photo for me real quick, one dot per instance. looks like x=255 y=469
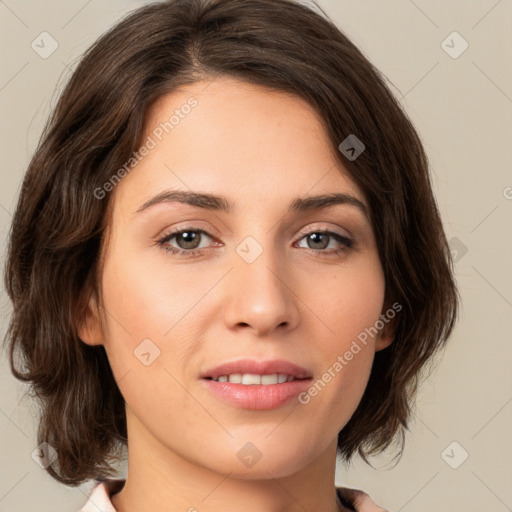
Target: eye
x=317 y=241
x=188 y=238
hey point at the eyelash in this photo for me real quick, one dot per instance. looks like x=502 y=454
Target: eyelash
x=347 y=243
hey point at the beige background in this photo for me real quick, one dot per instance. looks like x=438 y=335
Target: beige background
x=462 y=108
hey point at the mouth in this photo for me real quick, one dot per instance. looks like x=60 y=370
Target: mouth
x=251 y=371
x=258 y=385
x=253 y=379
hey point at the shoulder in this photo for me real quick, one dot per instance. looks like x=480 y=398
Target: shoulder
x=358 y=500
x=99 y=497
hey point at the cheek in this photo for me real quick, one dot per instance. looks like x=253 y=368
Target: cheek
x=148 y=301
x=137 y=316
x=146 y=341
x=349 y=301
x=349 y=304
x=151 y=329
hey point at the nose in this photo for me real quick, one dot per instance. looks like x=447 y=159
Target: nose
x=261 y=296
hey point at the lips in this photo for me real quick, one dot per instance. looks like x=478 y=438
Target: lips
x=254 y=367
x=257 y=397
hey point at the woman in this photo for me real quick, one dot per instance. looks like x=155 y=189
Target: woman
x=226 y=257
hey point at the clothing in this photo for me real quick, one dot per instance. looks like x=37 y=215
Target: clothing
x=99 y=498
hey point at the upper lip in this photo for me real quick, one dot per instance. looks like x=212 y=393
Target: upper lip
x=253 y=366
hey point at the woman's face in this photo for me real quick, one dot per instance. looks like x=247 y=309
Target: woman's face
x=255 y=281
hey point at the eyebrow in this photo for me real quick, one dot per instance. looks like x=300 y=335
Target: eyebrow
x=220 y=203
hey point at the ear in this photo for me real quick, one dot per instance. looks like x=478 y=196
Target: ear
x=384 y=339
x=386 y=335
x=89 y=325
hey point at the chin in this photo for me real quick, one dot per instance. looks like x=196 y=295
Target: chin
x=253 y=464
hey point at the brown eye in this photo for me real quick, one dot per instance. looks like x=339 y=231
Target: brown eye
x=186 y=239
x=319 y=240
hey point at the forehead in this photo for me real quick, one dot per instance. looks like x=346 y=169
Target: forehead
x=246 y=142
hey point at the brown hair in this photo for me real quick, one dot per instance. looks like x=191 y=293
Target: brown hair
x=59 y=226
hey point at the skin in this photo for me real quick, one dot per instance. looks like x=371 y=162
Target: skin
x=261 y=149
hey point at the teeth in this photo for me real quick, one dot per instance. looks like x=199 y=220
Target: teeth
x=269 y=379
x=252 y=379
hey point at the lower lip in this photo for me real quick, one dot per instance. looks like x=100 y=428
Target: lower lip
x=257 y=396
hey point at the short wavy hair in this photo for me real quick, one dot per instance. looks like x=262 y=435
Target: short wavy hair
x=59 y=227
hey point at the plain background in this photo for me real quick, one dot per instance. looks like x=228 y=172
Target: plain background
x=462 y=108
